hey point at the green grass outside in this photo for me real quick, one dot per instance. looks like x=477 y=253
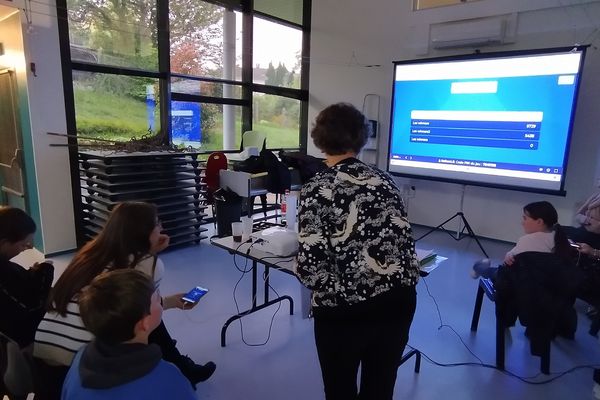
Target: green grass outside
x=109 y=116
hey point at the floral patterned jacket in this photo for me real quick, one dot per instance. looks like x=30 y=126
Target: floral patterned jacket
x=355 y=239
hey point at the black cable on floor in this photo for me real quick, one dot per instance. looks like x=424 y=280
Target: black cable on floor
x=265 y=276
x=442 y=325
x=527 y=380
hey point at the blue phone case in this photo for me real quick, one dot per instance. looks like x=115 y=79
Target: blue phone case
x=195 y=294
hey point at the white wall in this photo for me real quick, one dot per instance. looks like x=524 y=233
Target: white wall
x=388 y=30
x=47 y=114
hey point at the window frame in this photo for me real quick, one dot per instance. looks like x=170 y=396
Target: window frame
x=164 y=74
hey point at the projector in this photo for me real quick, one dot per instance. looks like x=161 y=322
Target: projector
x=276 y=240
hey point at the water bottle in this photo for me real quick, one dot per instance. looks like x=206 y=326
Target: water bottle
x=284 y=207
x=290 y=211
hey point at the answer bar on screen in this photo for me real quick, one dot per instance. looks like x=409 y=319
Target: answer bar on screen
x=479 y=170
x=474 y=87
x=525 y=116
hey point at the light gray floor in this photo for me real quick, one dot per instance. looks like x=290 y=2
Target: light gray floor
x=286 y=367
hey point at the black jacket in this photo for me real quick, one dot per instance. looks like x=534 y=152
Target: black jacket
x=23 y=296
x=539 y=289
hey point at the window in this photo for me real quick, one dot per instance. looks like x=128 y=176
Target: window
x=199 y=73
x=279 y=118
x=199 y=46
x=118 y=33
x=115 y=107
x=277 y=54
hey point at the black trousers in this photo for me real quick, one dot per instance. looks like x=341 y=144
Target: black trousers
x=376 y=346
x=48 y=380
x=163 y=339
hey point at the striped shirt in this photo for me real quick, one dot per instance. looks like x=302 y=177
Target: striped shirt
x=58 y=338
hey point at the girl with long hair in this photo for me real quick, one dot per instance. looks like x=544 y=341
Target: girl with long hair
x=131 y=238
x=542 y=234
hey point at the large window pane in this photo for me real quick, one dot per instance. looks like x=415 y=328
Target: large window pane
x=115 y=107
x=120 y=33
x=289 y=10
x=277 y=54
x=279 y=118
x=198 y=39
x=202 y=88
x=201 y=125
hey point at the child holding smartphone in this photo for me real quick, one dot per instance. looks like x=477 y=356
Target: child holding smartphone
x=130 y=239
x=122 y=308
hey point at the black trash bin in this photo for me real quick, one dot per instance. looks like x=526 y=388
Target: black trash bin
x=229 y=209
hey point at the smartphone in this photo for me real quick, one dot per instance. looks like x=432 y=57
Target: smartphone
x=194 y=295
x=573 y=244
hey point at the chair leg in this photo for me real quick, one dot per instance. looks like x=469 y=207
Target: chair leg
x=499 y=344
x=595 y=326
x=214 y=215
x=477 y=309
x=545 y=359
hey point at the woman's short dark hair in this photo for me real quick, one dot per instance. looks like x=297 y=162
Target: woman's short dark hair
x=15 y=224
x=340 y=128
x=113 y=303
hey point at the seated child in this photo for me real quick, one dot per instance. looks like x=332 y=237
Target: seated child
x=588 y=217
x=23 y=292
x=542 y=234
x=131 y=239
x=121 y=308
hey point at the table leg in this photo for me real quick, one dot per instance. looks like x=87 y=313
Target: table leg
x=256 y=307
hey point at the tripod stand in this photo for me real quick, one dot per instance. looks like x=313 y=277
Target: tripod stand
x=459 y=232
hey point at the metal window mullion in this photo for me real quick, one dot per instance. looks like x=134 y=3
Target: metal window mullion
x=297 y=94
x=164 y=67
x=107 y=69
x=69 y=98
x=247 y=43
x=277 y=20
x=305 y=72
x=207 y=99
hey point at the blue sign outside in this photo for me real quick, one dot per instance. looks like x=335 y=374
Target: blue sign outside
x=185 y=122
x=150 y=106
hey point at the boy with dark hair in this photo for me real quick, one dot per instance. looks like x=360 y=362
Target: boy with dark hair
x=121 y=308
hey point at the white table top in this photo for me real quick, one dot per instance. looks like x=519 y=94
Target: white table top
x=287 y=263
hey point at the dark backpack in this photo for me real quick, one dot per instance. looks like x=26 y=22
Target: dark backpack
x=279 y=179
x=308 y=166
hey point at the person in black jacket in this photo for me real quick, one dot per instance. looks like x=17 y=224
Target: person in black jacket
x=357 y=255
x=23 y=292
